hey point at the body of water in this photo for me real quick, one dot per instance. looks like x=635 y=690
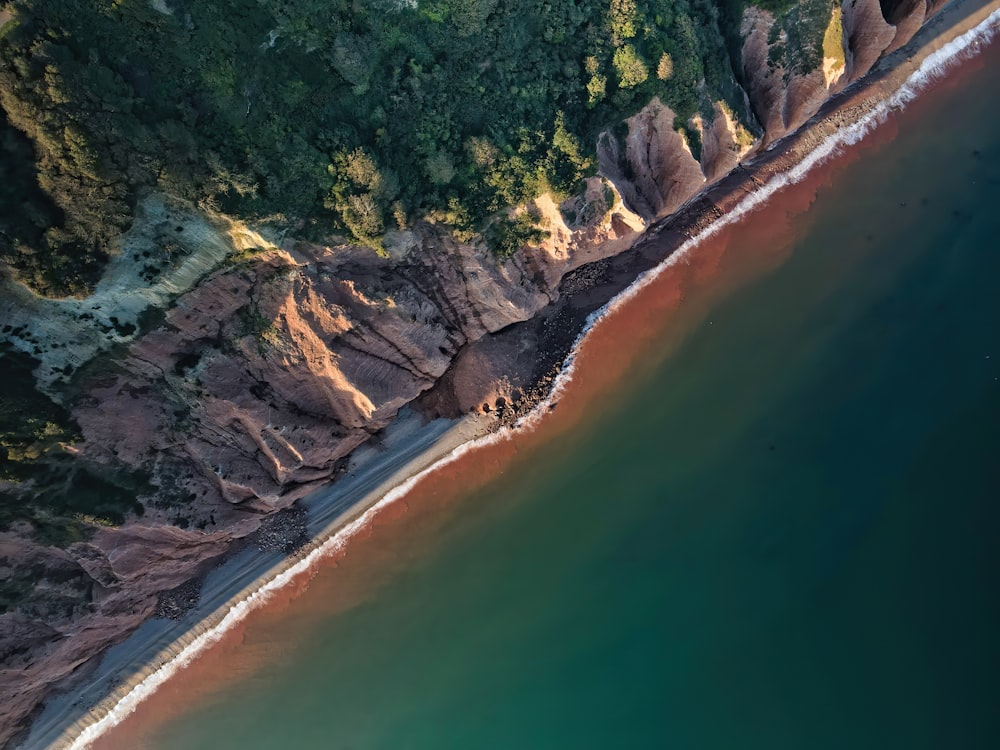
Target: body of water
x=777 y=530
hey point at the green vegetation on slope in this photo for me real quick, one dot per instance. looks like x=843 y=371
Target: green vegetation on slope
x=31 y=424
x=32 y=227
x=65 y=499
x=833 y=37
x=806 y=24
x=803 y=25
x=356 y=116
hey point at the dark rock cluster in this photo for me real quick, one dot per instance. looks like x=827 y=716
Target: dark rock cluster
x=285 y=531
x=176 y=603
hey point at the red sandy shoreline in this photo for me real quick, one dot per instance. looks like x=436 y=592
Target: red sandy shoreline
x=615 y=352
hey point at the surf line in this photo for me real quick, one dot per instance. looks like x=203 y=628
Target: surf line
x=932 y=68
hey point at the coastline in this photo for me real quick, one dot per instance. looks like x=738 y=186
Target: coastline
x=622 y=277
x=842 y=121
x=362 y=639
x=127 y=673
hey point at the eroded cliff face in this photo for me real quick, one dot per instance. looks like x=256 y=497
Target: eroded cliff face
x=907 y=16
x=265 y=376
x=725 y=141
x=245 y=389
x=867 y=35
x=87 y=597
x=788 y=78
x=241 y=373
x=654 y=169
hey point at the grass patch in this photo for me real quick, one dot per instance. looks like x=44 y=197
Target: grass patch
x=833 y=39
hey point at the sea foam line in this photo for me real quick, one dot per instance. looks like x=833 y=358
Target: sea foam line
x=933 y=67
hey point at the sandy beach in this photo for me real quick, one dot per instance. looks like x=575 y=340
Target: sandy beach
x=682 y=295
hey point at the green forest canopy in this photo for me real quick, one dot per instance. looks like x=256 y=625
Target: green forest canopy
x=358 y=116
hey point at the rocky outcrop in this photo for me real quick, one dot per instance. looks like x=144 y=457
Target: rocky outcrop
x=724 y=142
x=783 y=89
x=907 y=16
x=762 y=79
x=788 y=74
x=585 y=228
x=653 y=169
x=268 y=373
x=867 y=36
x=85 y=599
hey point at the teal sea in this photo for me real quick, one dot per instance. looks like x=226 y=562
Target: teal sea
x=783 y=533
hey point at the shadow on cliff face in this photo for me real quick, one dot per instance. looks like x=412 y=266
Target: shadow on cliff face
x=43 y=483
x=895 y=10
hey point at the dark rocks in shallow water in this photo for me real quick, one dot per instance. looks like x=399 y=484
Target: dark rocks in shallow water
x=524 y=400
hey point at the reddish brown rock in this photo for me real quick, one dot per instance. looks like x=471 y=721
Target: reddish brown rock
x=907 y=16
x=724 y=142
x=868 y=36
x=654 y=169
x=86 y=598
x=783 y=98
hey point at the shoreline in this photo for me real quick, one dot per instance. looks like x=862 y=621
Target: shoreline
x=393 y=471
x=842 y=121
x=351 y=601
x=377 y=475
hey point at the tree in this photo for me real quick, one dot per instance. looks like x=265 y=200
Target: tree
x=596 y=88
x=483 y=153
x=239 y=104
x=440 y=168
x=469 y=16
x=363 y=217
x=630 y=67
x=353 y=56
x=665 y=69
x=622 y=20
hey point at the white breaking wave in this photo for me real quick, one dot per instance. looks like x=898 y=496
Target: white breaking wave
x=933 y=67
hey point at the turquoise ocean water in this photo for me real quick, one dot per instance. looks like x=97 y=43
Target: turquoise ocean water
x=786 y=535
